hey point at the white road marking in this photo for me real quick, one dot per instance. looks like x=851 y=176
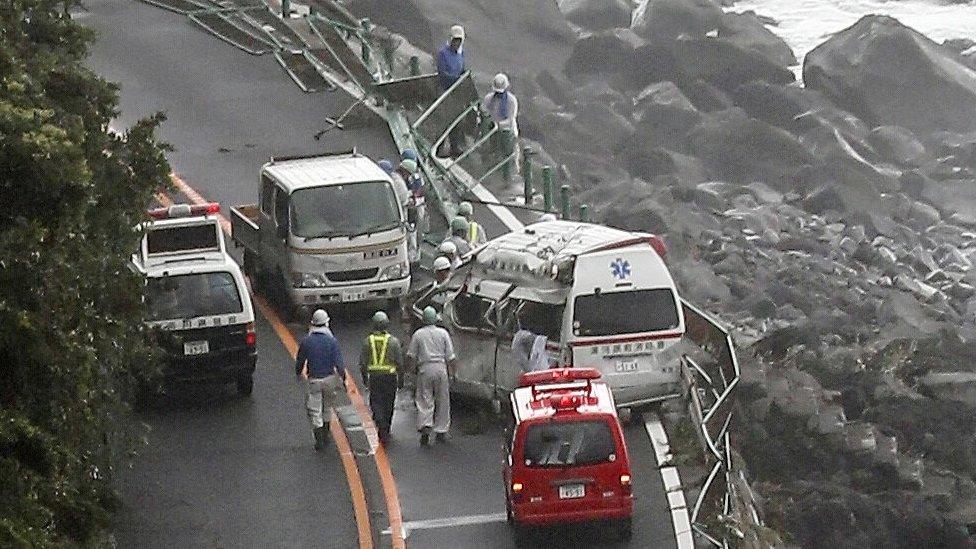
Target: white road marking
x=449 y=522
x=672 y=483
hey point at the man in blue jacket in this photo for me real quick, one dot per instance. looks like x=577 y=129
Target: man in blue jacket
x=319 y=363
x=450 y=67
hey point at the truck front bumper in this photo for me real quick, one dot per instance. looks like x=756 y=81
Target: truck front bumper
x=389 y=289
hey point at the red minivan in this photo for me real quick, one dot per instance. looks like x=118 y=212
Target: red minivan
x=566 y=459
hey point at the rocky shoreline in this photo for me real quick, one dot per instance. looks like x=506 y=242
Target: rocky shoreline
x=833 y=224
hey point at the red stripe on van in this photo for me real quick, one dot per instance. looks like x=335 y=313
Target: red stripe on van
x=626 y=339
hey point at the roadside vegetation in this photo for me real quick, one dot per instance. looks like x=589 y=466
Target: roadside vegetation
x=72 y=346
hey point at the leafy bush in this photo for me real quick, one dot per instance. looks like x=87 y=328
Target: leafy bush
x=72 y=344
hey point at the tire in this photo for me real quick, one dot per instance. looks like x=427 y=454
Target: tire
x=521 y=535
x=245 y=385
x=623 y=529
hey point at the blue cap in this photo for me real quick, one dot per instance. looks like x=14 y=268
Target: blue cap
x=386 y=165
x=409 y=154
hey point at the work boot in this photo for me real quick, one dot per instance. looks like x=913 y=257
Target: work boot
x=425 y=436
x=320 y=438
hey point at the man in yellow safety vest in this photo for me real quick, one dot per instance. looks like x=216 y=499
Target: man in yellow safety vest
x=379 y=362
x=476 y=233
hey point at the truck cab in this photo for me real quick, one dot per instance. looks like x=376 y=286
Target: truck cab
x=565 y=459
x=197 y=298
x=327 y=229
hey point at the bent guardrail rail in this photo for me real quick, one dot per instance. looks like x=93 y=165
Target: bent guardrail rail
x=725 y=513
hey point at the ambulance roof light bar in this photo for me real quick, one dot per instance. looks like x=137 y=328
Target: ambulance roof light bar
x=185 y=210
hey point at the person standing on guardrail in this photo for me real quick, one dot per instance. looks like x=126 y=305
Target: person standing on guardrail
x=450 y=67
x=319 y=364
x=380 y=362
x=476 y=233
x=502 y=106
x=432 y=352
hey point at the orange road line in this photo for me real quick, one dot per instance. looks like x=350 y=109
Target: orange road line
x=353 y=478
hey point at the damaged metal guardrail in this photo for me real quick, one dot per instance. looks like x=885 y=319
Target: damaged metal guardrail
x=725 y=513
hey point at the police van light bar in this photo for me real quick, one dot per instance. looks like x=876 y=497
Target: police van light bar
x=185 y=210
x=558 y=375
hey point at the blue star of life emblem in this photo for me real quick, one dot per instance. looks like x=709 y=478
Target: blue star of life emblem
x=620 y=269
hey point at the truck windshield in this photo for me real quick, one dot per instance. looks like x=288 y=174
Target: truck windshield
x=568 y=443
x=344 y=210
x=192 y=295
x=628 y=312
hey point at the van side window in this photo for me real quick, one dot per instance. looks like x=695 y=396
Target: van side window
x=469 y=311
x=267 y=194
x=281 y=206
x=539 y=318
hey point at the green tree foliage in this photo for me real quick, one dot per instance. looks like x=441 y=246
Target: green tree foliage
x=72 y=345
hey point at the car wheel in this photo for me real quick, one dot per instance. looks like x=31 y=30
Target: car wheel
x=245 y=385
x=623 y=529
x=521 y=534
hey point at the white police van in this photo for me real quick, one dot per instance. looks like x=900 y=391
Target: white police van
x=197 y=297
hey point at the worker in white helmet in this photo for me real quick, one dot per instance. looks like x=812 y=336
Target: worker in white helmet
x=319 y=364
x=449 y=250
x=502 y=107
x=476 y=233
x=547 y=217
x=451 y=66
x=442 y=269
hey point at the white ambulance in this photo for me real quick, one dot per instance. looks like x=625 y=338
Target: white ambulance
x=601 y=297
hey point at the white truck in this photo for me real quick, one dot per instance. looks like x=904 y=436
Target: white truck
x=602 y=297
x=327 y=229
x=197 y=298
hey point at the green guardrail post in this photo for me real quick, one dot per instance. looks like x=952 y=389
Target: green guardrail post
x=584 y=213
x=548 y=187
x=366 y=26
x=414 y=65
x=285 y=9
x=564 y=201
x=527 y=153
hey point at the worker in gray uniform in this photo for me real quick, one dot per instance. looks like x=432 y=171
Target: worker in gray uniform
x=431 y=351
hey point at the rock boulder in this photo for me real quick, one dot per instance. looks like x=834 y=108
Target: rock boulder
x=596 y=14
x=887 y=73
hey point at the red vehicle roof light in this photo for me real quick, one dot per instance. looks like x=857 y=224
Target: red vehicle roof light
x=558 y=375
x=184 y=210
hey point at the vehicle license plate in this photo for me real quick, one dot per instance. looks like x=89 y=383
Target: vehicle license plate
x=571 y=491
x=353 y=296
x=627 y=366
x=196 y=348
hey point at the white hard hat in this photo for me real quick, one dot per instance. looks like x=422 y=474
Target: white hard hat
x=442 y=264
x=447 y=248
x=547 y=217
x=320 y=318
x=500 y=83
x=457 y=31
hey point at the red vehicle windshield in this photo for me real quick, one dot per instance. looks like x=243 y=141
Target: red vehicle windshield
x=562 y=443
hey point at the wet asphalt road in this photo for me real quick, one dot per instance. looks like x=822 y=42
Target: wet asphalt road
x=220 y=471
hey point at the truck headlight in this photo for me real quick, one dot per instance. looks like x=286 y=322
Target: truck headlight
x=307 y=280
x=393 y=272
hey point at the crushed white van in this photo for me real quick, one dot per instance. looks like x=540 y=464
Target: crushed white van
x=602 y=297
